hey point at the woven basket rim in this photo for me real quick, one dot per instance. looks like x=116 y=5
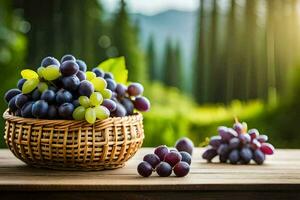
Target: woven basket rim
x=13 y=118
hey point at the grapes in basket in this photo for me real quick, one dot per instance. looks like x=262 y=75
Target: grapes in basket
x=66 y=90
x=238 y=145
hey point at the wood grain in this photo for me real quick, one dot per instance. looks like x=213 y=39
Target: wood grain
x=278 y=177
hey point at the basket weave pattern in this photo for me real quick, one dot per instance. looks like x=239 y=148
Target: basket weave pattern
x=69 y=144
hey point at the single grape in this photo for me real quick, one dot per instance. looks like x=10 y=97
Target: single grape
x=42 y=86
x=255 y=144
x=12 y=104
x=90 y=115
x=172 y=158
x=35 y=95
x=71 y=83
x=135 y=89
x=108 y=75
x=142 y=104
x=81 y=75
x=234 y=143
x=20 y=100
x=51 y=73
x=234 y=156
x=40 y=71
x=253 y=133
x=26 y=110
x=69 y=68
x=223 y=158
x=52 y=112
x=63 y=96
x=40 y=109
x=161 y=151
x=96 y=99
x=49 y=61
x=86 y=88
x=111 y=84
x=246 y=154
x=106 y=93
x=262 y=138
x=185 y=157
x=259 y=157
x=223 y=149
x=84 y=101
x=181 y=169
x=245 y=138
x=267 y=148
x=128 y=105
x=29 y=85
x=21 y=83
x=164 y=169
x=144 y=169
x=65 y=110
x=121 y=90
x=98 y=72
x=82 y=65
x=29 y=74
x=120 y=111
x=209 y=154
x=152 y=159
x=101 y=112
x=48 y=96
x=109 y=104
x=215 y=141
x=67 y=57
x=185 y=144
x=90 y=75
x=238 y=127
x=227 y=133
x=79 y=113
x=10 y=94
x=99 y=83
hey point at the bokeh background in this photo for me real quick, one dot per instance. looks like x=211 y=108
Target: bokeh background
x=202 y=62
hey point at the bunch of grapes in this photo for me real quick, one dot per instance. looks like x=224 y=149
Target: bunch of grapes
x=66 y=90
x=238 y=146
x=164 y=161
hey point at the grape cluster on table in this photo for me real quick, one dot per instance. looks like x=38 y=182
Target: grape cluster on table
x=238 y=146
x=163 y=161
x=66 y=90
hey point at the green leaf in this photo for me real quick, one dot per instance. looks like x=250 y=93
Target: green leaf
x=117 y=67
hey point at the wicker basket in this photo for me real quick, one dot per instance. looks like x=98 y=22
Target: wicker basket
x=74 y=145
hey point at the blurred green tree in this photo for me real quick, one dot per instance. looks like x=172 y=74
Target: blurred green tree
x=151 y=59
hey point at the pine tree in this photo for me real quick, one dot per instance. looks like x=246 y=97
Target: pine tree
x=179 y=67
x=168 y=68
x=151 y=58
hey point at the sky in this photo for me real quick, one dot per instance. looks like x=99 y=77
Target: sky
x=151 y=7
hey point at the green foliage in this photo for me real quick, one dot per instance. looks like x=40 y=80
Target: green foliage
x=151 y=59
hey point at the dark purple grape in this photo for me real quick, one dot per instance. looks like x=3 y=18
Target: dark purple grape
x=82 y=65
x=142 y=104
x=21 y=83
x=253 y=133
x=40 y=109
x=135 y=89
x=172 y=158
x=111 y=84
x=267 y=148
x=223 y=158
x=246 y=155
x=52 y=112
x=185 y=157
x=71 y=83
x=121 y=90
x=86 y=88
x=163 y=169
x=69 y=68
x=10 y=94
x=36 y=95
x=12 y=104
x=109 y=104
x=67 y=57
x=245 y=138
x=144 y=169
x=223 y=149
x=63 y=96
x=98 y=72
x=234 y=143
x=18 y=113
x=227 y=133
x=26 y=110
x=65 y=110
x=255 y=144
x=49 y=96
x=120 y=111
x=185 y=144
x=259 y=157
x=152 y=159
x=234 y=156
x=76 y=103
x=49 y=61
x=128 y=105
x=81 y=75
x=161 y=151
x=53 y=88
x=262 y=138
x=181 y=169
x=108 y=75
x=238 y=127
x=21 y=99
x=209 y=154
x=215 y=141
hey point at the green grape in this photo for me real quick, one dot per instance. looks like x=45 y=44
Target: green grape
x=29 y=74
x=84 y=101
x=29 y=85
x=101 y=112
x=79 y=113
x=90 y=115
x=96 y=99
x=40 y=71
x=99 y=84
x=106 y=93
x=90 y=75
x=51 y=72
x=42 y=86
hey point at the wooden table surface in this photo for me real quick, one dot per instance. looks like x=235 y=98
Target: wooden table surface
x=278 y=178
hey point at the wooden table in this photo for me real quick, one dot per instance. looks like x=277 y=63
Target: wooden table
x=278 y=178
